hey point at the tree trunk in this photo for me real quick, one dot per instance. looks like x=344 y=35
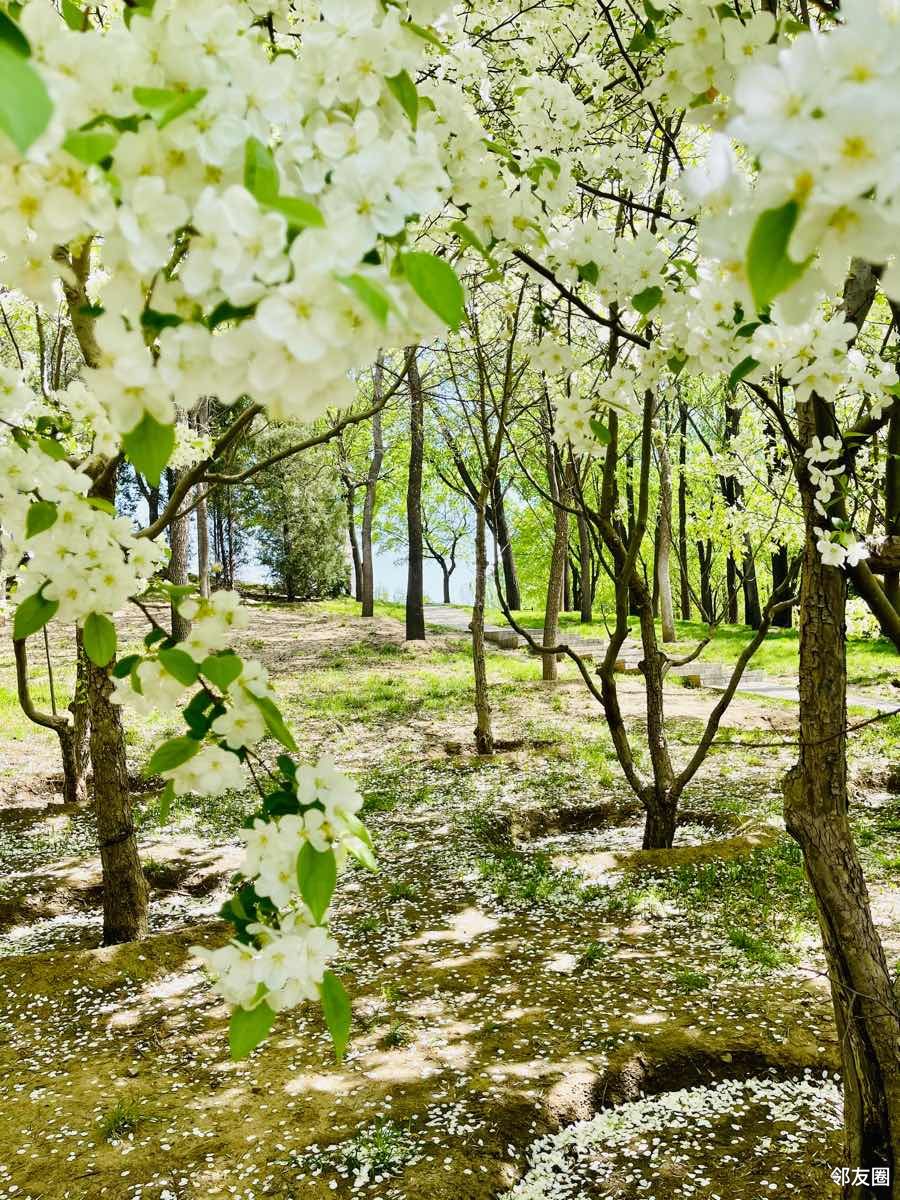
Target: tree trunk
x=731 y=586
x=202 y=519
x=704 y=556
x=229 y=547
x=780 y=563
x=201 y=514
x=892 y=502
x=179 y=545
x=368 y=578
x=664 y=544
x=80 y=725
x=484 y=734
x=683 y=577
x=415 y=614
x=866 y=1007
x=585 y=591
x=504 y=544
x=446 y=579
x=288 y=549
x=355 y=557
x=558 y=556
x=125 y=892
x=752 y=609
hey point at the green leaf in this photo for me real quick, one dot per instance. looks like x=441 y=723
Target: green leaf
x=647 y=300
x=316 y=875
x=41 y=515
x=363 y=853
x=643 y=38
x=336 y=1010
x=149 y=447
x=676 y=364
x=155 y=321
x=748 y=330
x=404 y=92
x=222 y=669
x=600 y=432
x=52 y=448
x=185 y=102
x=435 y=283
x=224 y=311
x=89 y=146
x=769 y=270
x=471 y=238
x=180 y=666
x=126 y=665
x=249 y=1027
x=301 y=214
x=25 y=105
x=13 y=37
x=172 y=754
x=138 y=8
x=372 y=294
x=427 y=34
x=260 y=172
x=73 y=16
x=165 y=801
x=99 y=639
x=274 y=721
x=32 y=615
x=589 y=272
x=198 y=720
x=744 y=367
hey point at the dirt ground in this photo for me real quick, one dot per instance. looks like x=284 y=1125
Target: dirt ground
x=482 y=1022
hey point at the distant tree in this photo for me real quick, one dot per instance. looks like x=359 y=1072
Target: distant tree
x=295 y=513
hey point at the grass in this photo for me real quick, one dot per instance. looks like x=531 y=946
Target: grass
x=529 y=880
x=120 y=1120
x=761 y=899
x=593 y=953
x=384 y=1148
x=689 y=980
x=870 y=661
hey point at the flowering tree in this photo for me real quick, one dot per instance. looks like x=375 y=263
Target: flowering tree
x=226 y=197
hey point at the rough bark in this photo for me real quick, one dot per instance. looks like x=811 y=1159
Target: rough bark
x=752 y=609
x=504 y=544
x=557 y=562
x=367 y=593
x=892 y=503
x=585 y=572
x=202 y=520
x=484 y=734
x=125 y=893
x=415 y=614
x=683 y=577
x=780 y=564
x=355 y=556
x=179 y=545
x=664 y=544
x=707 y=603
x=816 y=814
x=201 y=514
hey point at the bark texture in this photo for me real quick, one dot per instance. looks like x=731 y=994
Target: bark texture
x=125 y=894
x=415 y=614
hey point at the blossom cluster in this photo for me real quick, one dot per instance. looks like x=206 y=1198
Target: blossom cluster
x=282 y=945
x=246 y=210
x=73 y=552
x=298 y=841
